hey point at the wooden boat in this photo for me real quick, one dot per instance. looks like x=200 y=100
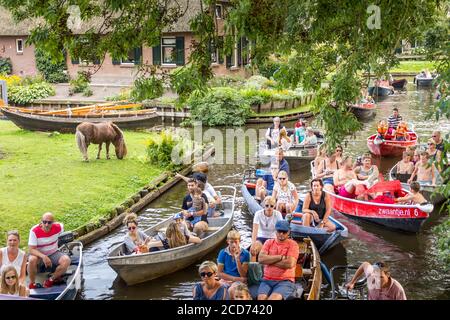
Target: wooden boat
x=139 y=268
x=67 y=123
x=322 y=239
x=363 y=111
x=379 y=91
x=399 y=84
x=423 y=81
x=396 y=216
x=390 y=148
x=429 y=192
x=73 y=277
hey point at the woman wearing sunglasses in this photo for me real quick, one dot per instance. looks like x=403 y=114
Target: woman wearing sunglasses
x=10 y=283
x=210 y=288
x=11 y=255
x=264 y=225
x=136 y=240
x=285 y=194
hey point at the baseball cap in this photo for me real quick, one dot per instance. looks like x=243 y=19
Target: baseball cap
x=199 y=176
x=282 y=225
x=178 y=215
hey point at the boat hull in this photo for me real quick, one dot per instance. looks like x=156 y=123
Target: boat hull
x=399 y=84
x=364 y=112
x=379 y=91
x=68 y=125
x=424 y=82
x=390 y=148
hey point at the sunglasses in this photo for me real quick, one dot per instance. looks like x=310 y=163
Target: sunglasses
x=270 y=206
x=434 y=136
x=338 y=150
x=47 y=222
x=282 y=231
x=10 y=278
x=282 y=178
x=431 y=144
x=131 y=228
x=206 y=274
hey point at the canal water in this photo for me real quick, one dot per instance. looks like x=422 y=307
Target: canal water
x=412 y=257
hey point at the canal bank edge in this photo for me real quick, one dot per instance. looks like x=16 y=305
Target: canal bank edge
x=150 y=192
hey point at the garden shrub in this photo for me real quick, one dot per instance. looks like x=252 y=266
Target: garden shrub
x=80 y=83
x=53 y=72
x=227 y=81
x=24 y=94
x=5 y=65
x=220 y=107
x=147 y=88
x=11 y=80
x=123 y=95
x=160 y=147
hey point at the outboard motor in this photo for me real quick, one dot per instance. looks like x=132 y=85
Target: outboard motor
x=65 y=238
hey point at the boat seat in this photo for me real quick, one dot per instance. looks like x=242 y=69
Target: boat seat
x=213 y=229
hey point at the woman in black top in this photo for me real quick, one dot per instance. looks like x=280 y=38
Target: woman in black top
x=317 y=207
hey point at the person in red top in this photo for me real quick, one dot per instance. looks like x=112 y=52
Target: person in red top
x=280 y=258
x=43 y=247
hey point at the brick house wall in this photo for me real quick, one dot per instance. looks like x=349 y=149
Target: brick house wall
x=23 y=63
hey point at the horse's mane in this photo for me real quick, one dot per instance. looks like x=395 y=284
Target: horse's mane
x=117 y=130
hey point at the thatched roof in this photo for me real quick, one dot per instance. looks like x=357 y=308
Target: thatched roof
x=9 y=27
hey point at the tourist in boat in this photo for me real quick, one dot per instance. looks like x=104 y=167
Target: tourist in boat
x=273 y=133
x=285 y=194
x=264 y=225
x=199 y=204
x=405 y=166
x=317 y=207
x=283 y=165
x=176 y=238
x=433 y=152
x=11 y=255
x=367 y=171
x=436 y=136
x=327 y=168
x=43 y=248
x=232 y=262
x=199 y=226
x=182 y=226
x=415 y=197
x=425 y=172
x=321 y=156
x=300 y=131
x=241 y=292
x=279 y=256
x=382 y=129
x=284 y=141
x=311 y=138
x=264 y=185
x=339 y=153
x=416 y=156
x=401 y=133
x=135 y=240
x=10 y=283
x=345 y=179
x=210 y=288
x=393 y=121
x=380 y=284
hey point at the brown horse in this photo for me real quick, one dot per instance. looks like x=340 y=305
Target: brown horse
x=99 y=133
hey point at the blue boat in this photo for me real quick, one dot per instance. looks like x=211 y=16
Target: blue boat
x=321 y=238
x=71 y=286
x=380 y=91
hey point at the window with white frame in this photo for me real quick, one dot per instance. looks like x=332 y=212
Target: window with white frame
x=19 y=45
x=219 y=11
x=130 y=59
x=169 y=49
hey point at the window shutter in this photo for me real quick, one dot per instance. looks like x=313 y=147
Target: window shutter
x=96 y=61
x=229 y=63
x=75 y=60
x=180 y=51
x=245 y=50
x=157 y=55
x=220 y=45
x=239 y=52
x=138 y=55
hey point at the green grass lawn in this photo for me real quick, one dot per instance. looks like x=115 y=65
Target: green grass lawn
x=413 y=66
x=285 y=112
x=41 y=173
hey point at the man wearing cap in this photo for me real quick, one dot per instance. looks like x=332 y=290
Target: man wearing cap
x=279 y=256
x=381 y=285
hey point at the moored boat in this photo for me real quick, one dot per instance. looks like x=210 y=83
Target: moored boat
x=399 y=84
x=73 y=278
x=393 y=148
x=65 y=123
x=321 y=238
x=138 y=268
x=363 y=111
x=379 y=91
x=429 y=192
x=421 y=80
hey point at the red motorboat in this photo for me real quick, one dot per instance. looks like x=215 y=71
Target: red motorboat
x=397 y=216
x=390 y=148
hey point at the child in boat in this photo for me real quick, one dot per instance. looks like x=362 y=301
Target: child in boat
x=264 y=186
x=241 y=292
x=198 y=204
x=415 y=198
x=425 y=172
x=382 y=129
x=405 y=166
x=284 y=141
x=401 y=133
x=300 y=131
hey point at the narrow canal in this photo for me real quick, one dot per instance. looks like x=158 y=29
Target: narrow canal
x=411 y=256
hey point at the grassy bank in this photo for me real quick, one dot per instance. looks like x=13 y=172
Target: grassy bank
x=413 y=66
x=40 y=173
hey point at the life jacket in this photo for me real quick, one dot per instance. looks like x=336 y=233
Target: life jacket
x=401 y=131
x=382 y=129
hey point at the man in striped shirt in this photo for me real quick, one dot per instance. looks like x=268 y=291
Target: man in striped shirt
x=43 y=245
x=393 y=121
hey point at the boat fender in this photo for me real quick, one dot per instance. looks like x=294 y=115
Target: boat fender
x=325 y=272
x=426 y=207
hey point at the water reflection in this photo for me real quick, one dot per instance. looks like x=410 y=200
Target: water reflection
x=413 y=261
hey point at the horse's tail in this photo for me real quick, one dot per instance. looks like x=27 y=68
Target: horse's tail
x=81 y=142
